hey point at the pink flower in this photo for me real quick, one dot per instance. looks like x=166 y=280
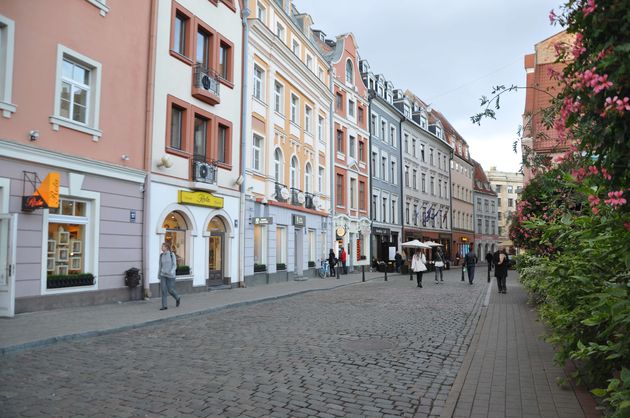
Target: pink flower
x=595 y=210
x=593 y=170
x=606 y=175
x=627 y=225
x=615 y=198
x=578 y=47
x=552 y=17
x=589 y=8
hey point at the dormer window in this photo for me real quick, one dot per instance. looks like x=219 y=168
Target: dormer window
x=349 y=72
x=407 y=111
x=423 y=121
x=438 y=132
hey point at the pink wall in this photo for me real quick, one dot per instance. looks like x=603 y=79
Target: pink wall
x=119 y=41
x=350 y=51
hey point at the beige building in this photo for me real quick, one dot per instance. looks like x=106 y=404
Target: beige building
x=508 y=186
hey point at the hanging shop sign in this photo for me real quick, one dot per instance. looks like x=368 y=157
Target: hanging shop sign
x=45 y=196
x=299 y=220
x=264 y=220
x=464 y=239
x=199 y=199
x=341 y=231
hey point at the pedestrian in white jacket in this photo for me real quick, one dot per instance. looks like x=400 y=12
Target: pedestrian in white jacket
x=418 y=265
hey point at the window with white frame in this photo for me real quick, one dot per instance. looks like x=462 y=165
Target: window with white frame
x=352 y=144
x=7 y=41
x=280 y=30
x=353 y=191
x=407 y=175
x=438 y=132
x=320 y=128
x=320 y=180
x=351 y=105
x=392 y=177
x=384 y=130
x=278 y=166
x=78 y=90
x=261 y=12
x=309 y=62
x=258 y=82
x=295 y=103
x=392 y=136
x=384 y=168
x=294 y=172
x=308 y=178
x=320 y=73
x=415 y=179
x=349 y=72
x=281 y=245
x=393 y=211
x=407 y=212
x=423 y=121
x=374 y=166
x=295 y=47
x=373 y=124
x=260 y=244
x=308 y=116
x=257 y=154
x=278 y=92
x=384 y=209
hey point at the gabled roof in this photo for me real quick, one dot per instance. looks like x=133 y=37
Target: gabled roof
x=481 y=183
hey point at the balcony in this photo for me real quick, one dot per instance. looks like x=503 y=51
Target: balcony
x=282 y=193
x=309 y=201
x=297 y=197
x=204 y=171
x=205 y=85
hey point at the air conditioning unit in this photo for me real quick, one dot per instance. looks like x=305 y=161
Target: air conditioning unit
x=203 y=172
x=206 y=82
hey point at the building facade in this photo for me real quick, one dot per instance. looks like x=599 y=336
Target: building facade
x=194 y=155
x=351 y=222
x=541 y=87
x=71 y=126
x=288 y=194
x=507 y=186
x=385 y=168
x=485 y=208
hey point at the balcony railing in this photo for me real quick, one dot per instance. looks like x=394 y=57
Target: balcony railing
x=280 y=196
x=309 y=200
x=204 y=171
x=297 y=197
x=205 y=84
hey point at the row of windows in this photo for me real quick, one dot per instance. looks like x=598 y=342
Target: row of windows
x=488 y=205
x=355 y=148
x=355 y=112
x=440 y=160
x=462 y=193
x=384 y=171
x=510 y=188
x=387 y=132
x=462 y=220
x=356 y=193
x=261 y=245
x=387 y=210
x=435 y=218
x=490 y=227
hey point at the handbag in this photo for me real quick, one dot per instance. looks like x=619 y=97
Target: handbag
x=439 y=264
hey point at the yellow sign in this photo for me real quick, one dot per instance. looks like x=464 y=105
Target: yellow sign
x=49 y=190
x=199 y=199
x=341 y=231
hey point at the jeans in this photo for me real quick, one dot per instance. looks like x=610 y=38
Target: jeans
x=501 y=283
x=167 y=285
x=471 y=273
x=438 y=270
x=419 y=277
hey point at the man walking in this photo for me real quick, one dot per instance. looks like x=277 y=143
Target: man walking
x=470 y=261
x=489 y=258
x=343 y=257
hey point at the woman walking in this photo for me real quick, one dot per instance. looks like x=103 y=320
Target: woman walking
x=168 y=265
x=418 y=265
x=439 y=264
x=501 y=270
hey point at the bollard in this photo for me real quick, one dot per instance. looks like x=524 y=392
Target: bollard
x=385 y=272
x=362 y=273
x=463 y=272
x=489 y=268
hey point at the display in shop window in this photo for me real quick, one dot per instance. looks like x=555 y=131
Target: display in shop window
x=75 y=264
x=50 y=264
x=63 y=236
x=76 y=246
x=61 y=269
x=52 y=246
x=62 y=254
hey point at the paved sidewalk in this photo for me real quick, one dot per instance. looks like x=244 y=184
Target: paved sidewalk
x=509 y=370
x=35 y=329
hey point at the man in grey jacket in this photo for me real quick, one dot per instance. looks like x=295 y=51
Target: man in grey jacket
x=168 y=265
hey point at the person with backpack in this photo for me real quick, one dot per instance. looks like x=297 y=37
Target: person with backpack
x=168 y=266
x=439 y=264
x=470 y=260
x=332 y=262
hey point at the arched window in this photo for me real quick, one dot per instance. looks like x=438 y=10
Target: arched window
x=308 y=179
x=349 y=72
x=176 y=227
x=294 y=172
x=278 y=171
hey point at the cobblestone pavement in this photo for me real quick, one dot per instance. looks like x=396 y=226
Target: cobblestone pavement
x=372 y=349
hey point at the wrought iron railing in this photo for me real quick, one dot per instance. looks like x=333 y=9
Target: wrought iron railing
x=206 y=78
x=203 y=170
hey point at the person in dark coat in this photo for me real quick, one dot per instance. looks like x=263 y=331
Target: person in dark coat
x=489 y=258
x=343 y=256
x=332 y=261
x=501 y=270
x=399 y=261
x=470 y=261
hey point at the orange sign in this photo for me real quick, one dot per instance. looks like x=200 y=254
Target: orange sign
x=49 y=190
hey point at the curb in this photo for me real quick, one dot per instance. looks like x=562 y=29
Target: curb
x=70 y=337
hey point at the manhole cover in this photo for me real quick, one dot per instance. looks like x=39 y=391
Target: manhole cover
x=373 y=344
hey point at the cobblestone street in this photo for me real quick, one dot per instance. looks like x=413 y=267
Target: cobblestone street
x=372 y=349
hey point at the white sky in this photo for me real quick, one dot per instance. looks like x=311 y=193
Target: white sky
x=449 y=53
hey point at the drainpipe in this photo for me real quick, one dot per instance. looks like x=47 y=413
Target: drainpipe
x=401 y=181
x=370 y=98
x=148 y=153
x=332 y=159
x=244 y=112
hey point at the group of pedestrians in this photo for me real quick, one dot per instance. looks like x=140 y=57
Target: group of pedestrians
x=333 y=262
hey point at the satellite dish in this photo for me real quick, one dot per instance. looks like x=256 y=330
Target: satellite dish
x=284 y=192
x=300 y=198
x=317 y=201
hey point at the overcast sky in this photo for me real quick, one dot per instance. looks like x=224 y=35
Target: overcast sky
x=449 y=53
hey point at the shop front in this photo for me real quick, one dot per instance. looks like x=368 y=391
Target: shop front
x=352 y=234
x=462 y=245
x=202 y=233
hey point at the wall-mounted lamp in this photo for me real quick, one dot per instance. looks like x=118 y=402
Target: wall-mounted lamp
x=239 y=181
x=33 y=135
x=165 y=162
x=124 y=157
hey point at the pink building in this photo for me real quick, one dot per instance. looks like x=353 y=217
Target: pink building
x=73 y=97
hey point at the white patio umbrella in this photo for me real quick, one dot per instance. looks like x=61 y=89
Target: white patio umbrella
x=414 y=244
x=433 y=244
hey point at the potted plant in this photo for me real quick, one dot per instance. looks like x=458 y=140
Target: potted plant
x=311 y=264
x=56 y=281
x=182 y=270
x=259 y=267
x=281 y=266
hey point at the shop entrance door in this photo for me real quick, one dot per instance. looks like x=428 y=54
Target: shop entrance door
x=215 y=259
x=8 y=233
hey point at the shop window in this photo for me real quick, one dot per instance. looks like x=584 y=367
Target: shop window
x=216 y=227
x=312 y=249
x=67 y=244
x=281 y=245
x=176 y=235
x=260 y=245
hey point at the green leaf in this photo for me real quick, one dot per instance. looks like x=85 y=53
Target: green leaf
x=566 y=219
x=624 y=405
x=625 y=376
x=599 y=392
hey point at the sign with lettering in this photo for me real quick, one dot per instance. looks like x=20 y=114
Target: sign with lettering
x=380 y=231
x=199 y=199
x=46 y=195
x=264 y=220
x=299 y=220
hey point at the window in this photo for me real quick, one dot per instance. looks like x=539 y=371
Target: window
x=373 y=124
x=510 y=202
x=178 y=118
x=320 y=74
x=407 y=213
x=415 y=214
x=424 y=183
x=176 y=228
x=487 y=229
x=308 y=178
x=422 y=152
x=201 y=137
x=415 y=179
x=353 y=189
x=320 y=128
x=294 y=173
x=261 y=12
x=295 y=103
x=349 y=72
x=281 y=245
x=260 y=244
x=278 y=92
x=309 y=62
x=494 y=228
x=374 y=207
x=320 y=180
x=407 y=175
x=407 y=143
x=361 y=195
x=277 y=166
x=258 y=82
x=203 y=49
x=225 y=60
x=360 y=114
x=392 y=177
x=510 y=189
x=77 y=98
x=373 y=166
x=392 y=136
x=423 y=121
x=497 y=188
x=479 y=226
x=180 y=37
x=413 y=147
x=438 y=132
x=384 y=210
x=384 y=168
x=308 y=116
x=279 y=30
x=69 y=242
x=312 y=249
x=393 y=212
x=351 y=108
x=295 y=47
x=499 y=201
x=361 y=151
x=340 y=147
x=7 y=40
x=351 y=146
x=440 y=187
x=383 y=130
x=431 y=156
x=339 y=196
x=339 y=102
x=257 y=154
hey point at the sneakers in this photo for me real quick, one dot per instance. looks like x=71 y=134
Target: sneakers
x=163 y=308
x=178 y=300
